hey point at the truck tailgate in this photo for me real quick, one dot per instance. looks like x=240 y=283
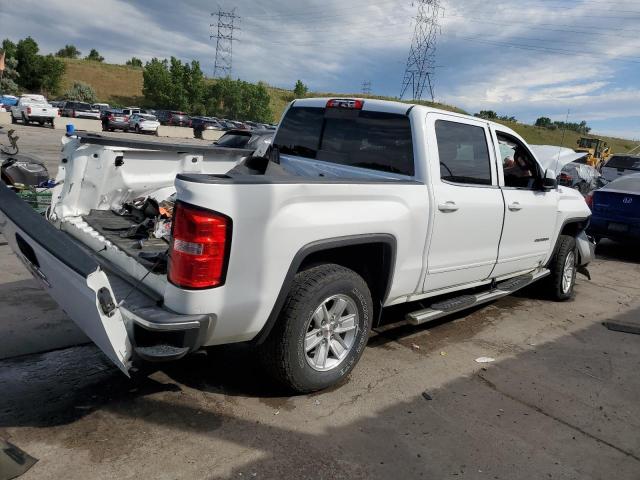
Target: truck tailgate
x=69 y=274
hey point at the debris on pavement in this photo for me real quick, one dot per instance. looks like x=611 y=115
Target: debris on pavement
x=415 y=347
x=443 y=354
x=485 y=359
x=624 y=326
x=13 y=461
x=426 y=396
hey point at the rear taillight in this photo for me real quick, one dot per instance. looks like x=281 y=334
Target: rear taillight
x=345 y=103
x=28 y=110
x=200 y=243
x=73 y=113
x=110 y=117
x=589 y=200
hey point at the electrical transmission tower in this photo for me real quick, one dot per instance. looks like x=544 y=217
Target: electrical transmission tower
x=421 y=61
x=366 y=87
x=224 y=41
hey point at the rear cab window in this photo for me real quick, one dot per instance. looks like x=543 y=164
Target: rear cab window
x=351 y=137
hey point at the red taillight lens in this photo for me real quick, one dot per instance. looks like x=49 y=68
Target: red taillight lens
x=73 y=114
x=589 y=200
x=199 y=247
x=110 y=117
x=345 y=103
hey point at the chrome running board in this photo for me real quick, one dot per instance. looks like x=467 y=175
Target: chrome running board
x=456 y=304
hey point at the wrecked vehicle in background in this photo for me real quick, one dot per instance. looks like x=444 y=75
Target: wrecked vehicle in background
x=616 y=209
x=295 y=250
x=582 y=177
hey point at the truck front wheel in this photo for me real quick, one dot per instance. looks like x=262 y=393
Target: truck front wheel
x=563 y=268
x=322 y=329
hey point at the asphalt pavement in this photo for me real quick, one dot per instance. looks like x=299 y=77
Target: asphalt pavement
x=559 y=401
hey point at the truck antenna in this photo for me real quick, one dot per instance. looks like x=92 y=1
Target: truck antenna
x=564 y=131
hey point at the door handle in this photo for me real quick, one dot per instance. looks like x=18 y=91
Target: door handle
x=515 y=206
x=447 y=206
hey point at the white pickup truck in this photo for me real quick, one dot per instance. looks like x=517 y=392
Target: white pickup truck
x=357 y=205
x=33 y=108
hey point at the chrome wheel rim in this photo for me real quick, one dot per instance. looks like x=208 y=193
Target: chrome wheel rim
x=568 y=272
x=331 y=332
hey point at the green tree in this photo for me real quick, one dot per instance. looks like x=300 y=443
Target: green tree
x=50 y=72
x=9 y=82
x=69 y=51
x=487 y=114
x=134 y=62
x=239 y=100
x=94 y=56
x=544 y=122
x=81 y=92
x=300 y=90
x=9 y=48
x=172 y=84
x=28 y=64
x=157 y=83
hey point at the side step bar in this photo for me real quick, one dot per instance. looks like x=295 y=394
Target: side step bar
x=452 y=305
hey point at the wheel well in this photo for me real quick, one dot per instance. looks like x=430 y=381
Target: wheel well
x=372 y=261
x=573 y=228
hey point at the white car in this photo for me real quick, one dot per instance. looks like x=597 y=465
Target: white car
x=33 y=108
x=357 y=205
x=143 y=122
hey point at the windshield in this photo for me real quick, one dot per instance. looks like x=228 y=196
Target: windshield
x=234 y=140
x=624 y=162
x=358 y=138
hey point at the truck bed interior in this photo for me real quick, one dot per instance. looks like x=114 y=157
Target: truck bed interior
x=112 y=226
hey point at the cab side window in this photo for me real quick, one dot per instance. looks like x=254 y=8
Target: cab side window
x=519 y=167
x=463 y=152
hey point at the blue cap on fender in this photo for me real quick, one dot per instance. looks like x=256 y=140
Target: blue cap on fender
x=70 y=129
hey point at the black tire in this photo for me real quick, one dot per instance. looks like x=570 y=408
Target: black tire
x=14 y=120
x=558 y=290
x=283 y=353
x=137 y=129
x=24 y=120
x=41 y=122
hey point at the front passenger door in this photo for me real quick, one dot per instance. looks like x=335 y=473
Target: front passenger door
x=530 y=213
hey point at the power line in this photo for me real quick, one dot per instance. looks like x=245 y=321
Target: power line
x=420 y=63
x=366 y=87
x=224 y=42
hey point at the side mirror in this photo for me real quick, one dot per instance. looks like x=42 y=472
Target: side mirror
x=549 y=184
x=549 y=181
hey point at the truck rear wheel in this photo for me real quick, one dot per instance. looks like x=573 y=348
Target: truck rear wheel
x=563 y=268
x=322 y=329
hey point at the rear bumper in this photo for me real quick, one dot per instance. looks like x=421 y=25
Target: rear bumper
x=601 y=227
x=158 y=335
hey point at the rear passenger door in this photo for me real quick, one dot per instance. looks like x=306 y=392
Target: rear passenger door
x=469 y=209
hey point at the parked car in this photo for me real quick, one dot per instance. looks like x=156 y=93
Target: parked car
x=6 y=102
x=199 y=124
x=580 y=176
x=114 y=119
x=249 y=139
x=620 y=165
x=173 y=117
x=33 y=108
x=128 y=111
x=143 y=122
x=297 y=252
x=100 y=106
x=616 y=209
x=79 y=110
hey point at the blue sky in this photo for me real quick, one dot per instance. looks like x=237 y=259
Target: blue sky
x=525 y=58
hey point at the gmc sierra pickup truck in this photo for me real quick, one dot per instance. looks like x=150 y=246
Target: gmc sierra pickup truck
x=357 y=205
x=33 y=108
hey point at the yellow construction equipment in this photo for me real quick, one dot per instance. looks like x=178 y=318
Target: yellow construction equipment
x=598 y=150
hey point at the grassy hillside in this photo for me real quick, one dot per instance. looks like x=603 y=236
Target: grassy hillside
x=122 y=85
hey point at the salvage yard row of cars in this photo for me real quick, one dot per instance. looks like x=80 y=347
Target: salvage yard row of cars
x=36 y=109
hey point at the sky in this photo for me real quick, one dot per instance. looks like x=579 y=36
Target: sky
x=521 y=58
